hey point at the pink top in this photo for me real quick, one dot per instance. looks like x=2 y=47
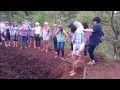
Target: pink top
x=24 y=31
x=86 y=37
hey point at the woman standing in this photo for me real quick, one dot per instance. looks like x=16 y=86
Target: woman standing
x=23 y=33
x=15 y=31
x=38 y=34
x=31 y=34
x=7 y=33
x=46 y=36
x=62 y=37
x=54 y=36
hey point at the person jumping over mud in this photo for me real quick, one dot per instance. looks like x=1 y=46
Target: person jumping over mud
x=78 y=44
x=95 y=38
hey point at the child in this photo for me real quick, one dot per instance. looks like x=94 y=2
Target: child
x=31 y=34
x=15 y=32
x=71 y=44
x=78 y=44
x=62 y=37
x=46 y=36
x=86 y=38
x=54 y=36
x=7 y=33
x=23 y=33
x=38 y=34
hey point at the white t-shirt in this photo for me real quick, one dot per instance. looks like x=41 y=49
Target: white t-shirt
x=2 y=26
x=38 y=30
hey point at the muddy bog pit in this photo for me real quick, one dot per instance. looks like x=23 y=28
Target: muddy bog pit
x=32 y=63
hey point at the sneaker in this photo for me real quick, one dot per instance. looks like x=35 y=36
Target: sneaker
x=89 y=62
x=28 y=46
x=20 y=47
x=25 y=47
x=93 y=61
x=62 y=58
x=38 y=47
x=70 y=54
x=34 y=46
x=6 y=45
x=9 y=45
x=55 y=53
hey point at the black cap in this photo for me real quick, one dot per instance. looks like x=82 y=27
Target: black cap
x=97 y=19
x=71 y=22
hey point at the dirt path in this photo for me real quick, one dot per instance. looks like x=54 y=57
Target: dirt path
x=31 y=63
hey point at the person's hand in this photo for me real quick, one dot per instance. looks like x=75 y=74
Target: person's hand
x=64 y=40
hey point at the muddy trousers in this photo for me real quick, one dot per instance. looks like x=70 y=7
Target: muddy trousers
x=37 y=39
x=91 y=51
x=55 y=44
x=0 y=37
x=60 y=47
x=86 y=50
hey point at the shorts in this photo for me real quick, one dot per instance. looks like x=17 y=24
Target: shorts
x=77 y=52
x=15 y=38
x=60 y=45
x=31 y=37
x=7 y=37
x=46 y=37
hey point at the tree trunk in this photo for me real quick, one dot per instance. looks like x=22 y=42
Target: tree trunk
x=10 y=17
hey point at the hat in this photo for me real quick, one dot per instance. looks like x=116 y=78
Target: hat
x=54 y=25
x=15 y=22
x=37 y=23
x=45 y=23
x=71 y=22
x=60 y=26
x=6 y=22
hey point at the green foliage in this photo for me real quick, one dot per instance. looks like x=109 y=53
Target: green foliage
x=19 y=16
x=63 y=17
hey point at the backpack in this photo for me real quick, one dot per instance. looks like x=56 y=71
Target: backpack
x=102 y=37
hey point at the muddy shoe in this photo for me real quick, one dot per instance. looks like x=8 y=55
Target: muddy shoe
x=62 y=59
x=56 y=56
x=42 y=50
x=73 y=73
x=20 y=47
x=69 y=54
x=91 y=62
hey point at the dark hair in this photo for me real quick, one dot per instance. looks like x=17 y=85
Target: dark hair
x=85 y=25
x=33 y=24
x=97 y=19
x=61 y=28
